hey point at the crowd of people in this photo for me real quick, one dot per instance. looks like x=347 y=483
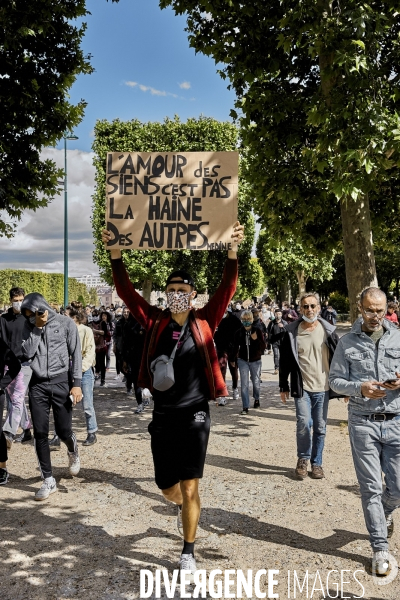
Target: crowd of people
x=178 y=356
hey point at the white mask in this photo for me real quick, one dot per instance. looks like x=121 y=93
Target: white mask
x=17 y=306
x=308 y=320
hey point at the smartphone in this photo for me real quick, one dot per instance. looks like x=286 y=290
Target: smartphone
x=72 y=399
x=391 y=381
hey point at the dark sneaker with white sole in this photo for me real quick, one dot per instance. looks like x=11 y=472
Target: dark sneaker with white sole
x=90 y=440
x=3 y=476
x=25 y=436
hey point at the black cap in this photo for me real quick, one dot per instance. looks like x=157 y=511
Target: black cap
x=181 y=277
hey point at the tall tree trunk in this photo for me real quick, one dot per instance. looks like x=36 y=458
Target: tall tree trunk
x=284 y=291
x=301 y=279
x=146 y=289
x=358 y=247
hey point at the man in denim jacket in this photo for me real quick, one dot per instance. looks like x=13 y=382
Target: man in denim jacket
x=366 y=367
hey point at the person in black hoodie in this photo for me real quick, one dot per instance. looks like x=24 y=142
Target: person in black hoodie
x=223 y=339
x=13 y=330
x=53 y=345
x=248 y=348
x=275 y=332
x=7 y=359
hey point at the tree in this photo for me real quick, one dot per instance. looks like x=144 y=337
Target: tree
x=283 y=258
x=40 y=58
x=150 y=269
x=317 y=87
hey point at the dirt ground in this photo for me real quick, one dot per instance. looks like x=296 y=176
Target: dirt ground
x=91 y=539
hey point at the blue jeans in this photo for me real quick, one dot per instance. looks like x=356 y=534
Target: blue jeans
x=376 y=447
x=311 y=412
x=254 y=369
x=87 y=402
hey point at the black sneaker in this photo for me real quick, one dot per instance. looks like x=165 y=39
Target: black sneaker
x=55 y=443
x=90 y=440
x=245 y=411
x=3 y=476
x=256 y=404
x=25 y=436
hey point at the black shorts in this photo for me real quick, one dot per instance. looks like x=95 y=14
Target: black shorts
x=179 y=441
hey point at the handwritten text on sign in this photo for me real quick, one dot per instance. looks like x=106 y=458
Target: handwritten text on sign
x=171 y=200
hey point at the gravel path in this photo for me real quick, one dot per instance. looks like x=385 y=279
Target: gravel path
x=91 y=539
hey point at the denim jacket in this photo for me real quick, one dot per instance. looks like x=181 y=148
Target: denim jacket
x=357 y=359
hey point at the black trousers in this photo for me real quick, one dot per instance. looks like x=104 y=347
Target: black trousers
x=132 y=377
x=101 y=358
x=118 y=361
x=42 y=396
x=3 y=443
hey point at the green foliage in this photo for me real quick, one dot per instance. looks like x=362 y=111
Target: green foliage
x=196 y=135
x=93 y=297
x=50 y=285
x=339 y=302
x=284 y=258
x=40 y=58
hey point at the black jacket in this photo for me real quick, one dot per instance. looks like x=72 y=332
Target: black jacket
x=7 y=358
x=289 y=362
x=276 y=333
x=225 y=333
x=245 y=347
x=14 y=329
x=133 y=338
x=261 y=325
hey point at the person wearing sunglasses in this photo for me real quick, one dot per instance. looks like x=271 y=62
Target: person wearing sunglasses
x=306 y=350
x=366 y=367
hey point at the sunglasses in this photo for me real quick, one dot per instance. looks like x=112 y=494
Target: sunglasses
x=307 y=306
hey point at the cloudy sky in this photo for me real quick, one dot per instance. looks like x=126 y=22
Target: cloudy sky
x=144 y=69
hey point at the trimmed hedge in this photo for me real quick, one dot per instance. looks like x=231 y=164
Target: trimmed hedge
x=50 y=285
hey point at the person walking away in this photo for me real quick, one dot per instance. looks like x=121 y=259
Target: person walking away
x=133 y=338
x=10 y=366
x=117 y=340
x=223 y=339
x=181 y=421
x=52 y=345
x=102 y=336
x=391 y=313
x=330 y=315
x=88 y=349
x=306 y=351
x=12 y=329
x=366 y=368
x=248 y=347
x=275 y=332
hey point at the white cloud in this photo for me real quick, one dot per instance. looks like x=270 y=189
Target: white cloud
x=185 y=85
x=39 y=241
x=153 y=91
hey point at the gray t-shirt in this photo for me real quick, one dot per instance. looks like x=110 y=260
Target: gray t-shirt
x=313 y=358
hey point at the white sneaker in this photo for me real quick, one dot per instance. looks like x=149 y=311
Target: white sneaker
x=139 y=409
x=222 y=402
x=236 y=394
x=187 y=563
x=74 y=463
x=49 y=486
x=117 y=377
x=380 y=562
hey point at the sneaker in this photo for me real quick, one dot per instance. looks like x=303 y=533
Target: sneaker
x=222 y=402
x=187 y=563
x=301 y=468
x=235 y=394
x=128 y=391
x=49 y=486
x=97 y=376
x=55 y=443
x=256 y=404
x=146 y=401
x=90 y=440
x=117 y=377
x=103 y=383
x=3 y=476
x=244 y=411
x=276 y=372
x=390 y=525
x=25 y=436
x=9 y=439
x=124 y=379
x=380 y=562
x=74 y=463
x=317 y=472
x=179 y=523
x=139 y=409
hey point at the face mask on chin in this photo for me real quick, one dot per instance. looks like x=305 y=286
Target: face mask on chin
x=308 y=320
x=178 y=302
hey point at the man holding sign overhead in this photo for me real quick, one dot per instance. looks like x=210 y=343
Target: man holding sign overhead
x=180 y=366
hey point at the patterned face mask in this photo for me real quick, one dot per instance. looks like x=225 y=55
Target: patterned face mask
x=178 y=302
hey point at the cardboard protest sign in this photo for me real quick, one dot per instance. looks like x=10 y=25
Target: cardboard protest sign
x=171 y=200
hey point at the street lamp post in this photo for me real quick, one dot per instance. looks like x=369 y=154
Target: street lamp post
x=66 y=137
